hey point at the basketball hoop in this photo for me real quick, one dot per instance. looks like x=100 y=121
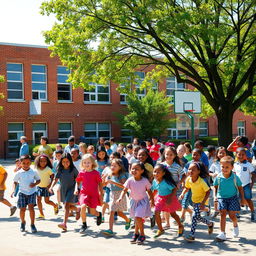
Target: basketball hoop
x=189 y=110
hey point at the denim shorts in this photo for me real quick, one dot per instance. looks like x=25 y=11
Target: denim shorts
x=186 y=201
x=229 y=204
x=247 y=191
x=106 y=198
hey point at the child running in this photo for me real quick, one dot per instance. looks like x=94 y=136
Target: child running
x=43 y=167
x=67 y=174
x=102 y=159
x=27 y=179
x=214 y=171
x=166 y=199
x=139 y=186
x=91 y=194
x=116 y=179
x=246 y=172
x=227 y=184
x=200 y=194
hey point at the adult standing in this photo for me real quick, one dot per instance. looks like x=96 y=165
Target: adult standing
x=24 y=149
x=71 y=145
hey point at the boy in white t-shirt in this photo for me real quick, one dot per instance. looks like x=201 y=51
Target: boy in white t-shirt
x=27 y=179
x=246 y=172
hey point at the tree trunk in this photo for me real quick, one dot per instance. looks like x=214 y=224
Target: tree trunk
x=225 y=118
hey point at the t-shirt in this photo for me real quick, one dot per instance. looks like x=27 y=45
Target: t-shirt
x=68 y=149
x=118 y=180
x=204 y=159
x=188 y=157
x=215 y=168
x=67 y=178
x=183 y=161
x=90 y=182
x=149 y=168
x=128 y=156
x=101 y=165
x=109 y=151
x=24 y=149
x=2 y=174
x=243 y=171
x=77 y=164
x=176 y=171
x=113 y=147
x=186 y=167
x=227 y=187
x=46 y=150
x=155 y=155
x=133 y=160
x=25 y=178
x=163 y=187
x=198 y=189
x=44 y=176
x=137 y=188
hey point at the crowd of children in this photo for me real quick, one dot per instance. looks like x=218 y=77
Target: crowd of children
x=157 y=180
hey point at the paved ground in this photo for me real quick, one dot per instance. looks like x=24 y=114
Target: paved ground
x=50 y=241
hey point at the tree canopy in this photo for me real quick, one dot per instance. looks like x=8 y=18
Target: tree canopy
x=209 y=44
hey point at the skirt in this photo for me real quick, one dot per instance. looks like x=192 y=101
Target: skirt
x=113 y=206
x=162 y=205
x=92 y=201
x=43 y=192
x=140 y=208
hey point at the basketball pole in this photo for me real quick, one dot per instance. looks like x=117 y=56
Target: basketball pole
x=191 y=117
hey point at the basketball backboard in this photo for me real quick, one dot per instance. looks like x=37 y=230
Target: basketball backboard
x=187 y=101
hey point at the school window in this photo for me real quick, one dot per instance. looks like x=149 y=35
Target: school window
x=39 y=85
x=64 y=88
x=171 y=86
x=15 y=131
x=93 y=131
x=38 y=130
x=174 y=133
x=15 y=81
x=140 y=76
x=65 y=131
x=97 y=94
x=241 y=128
x=203 y=128
x=126 y=135
x=123 y=96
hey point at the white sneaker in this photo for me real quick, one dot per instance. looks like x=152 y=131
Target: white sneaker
x=236 y=232
x=221 y=237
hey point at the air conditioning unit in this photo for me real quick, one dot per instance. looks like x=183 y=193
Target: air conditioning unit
x=35 y=107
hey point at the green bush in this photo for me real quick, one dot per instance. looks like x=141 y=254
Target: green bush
x=34 y=148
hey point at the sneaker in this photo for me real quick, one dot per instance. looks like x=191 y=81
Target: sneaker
x=13 y=210
x=221 y=237
x=56 y=209
x=215 y=214
x=134 y=238
x=63 y=226
x=33 y=229
x=180 y=231
x=252 y=216
x=99 y=219
x=236 y=232
x=22 y=227
x=40 y=217
x=210 y=228
x=83 y=228
x=128 y=224
x=108 y=232
x=159 y=233
x=152 y=221
x=141 y=240
x=238 y=216
x=189 y=238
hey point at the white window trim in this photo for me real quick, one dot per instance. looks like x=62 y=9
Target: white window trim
x=18 y=139
x=126 y=137
x=241 y=128
x=36 y=82
x=97 y=129
x=22 y=81
x=96 y=93
x=64 y=83
x=173 y=89
x=204 y=129
x=71 y=126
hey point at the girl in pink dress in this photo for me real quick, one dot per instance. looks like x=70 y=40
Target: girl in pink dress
x=91 y=193
x=139 y=187
x=165 y=189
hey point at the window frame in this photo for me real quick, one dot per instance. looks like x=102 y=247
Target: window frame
x=61 y=140
x=36 y=82
x=64 y=83
x=22 y=81
x=96 y=94
x=97 y=130
x=19 y=134
x=203 y=128
x=241 y=128
x=171 y=96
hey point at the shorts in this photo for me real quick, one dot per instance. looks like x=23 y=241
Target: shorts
x=106 y=198
x=229 y=204
x=187 y=200
x=43 y=192
x=25 y=200
x=247 y=191
x=1 y=195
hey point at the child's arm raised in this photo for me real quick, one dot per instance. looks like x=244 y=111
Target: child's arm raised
x=120 y=185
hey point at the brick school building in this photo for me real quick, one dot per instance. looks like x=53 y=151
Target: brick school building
x=31 y=74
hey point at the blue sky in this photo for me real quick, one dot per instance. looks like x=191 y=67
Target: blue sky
x=21 y=22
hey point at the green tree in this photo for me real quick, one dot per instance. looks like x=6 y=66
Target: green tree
x=210 y=44
x=147 y=116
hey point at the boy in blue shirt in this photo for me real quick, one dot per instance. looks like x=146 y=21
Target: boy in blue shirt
x=227 y=184
x=204 y=158
x=24 y=149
